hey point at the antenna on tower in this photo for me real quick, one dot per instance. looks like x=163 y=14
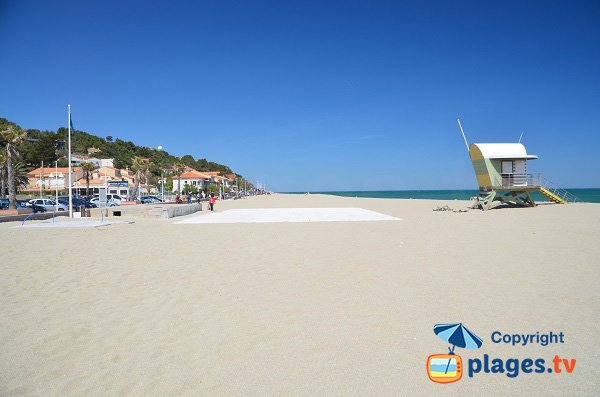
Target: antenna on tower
x=463 y=134
x=521 y=137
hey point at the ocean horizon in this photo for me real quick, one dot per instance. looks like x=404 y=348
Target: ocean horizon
x=589 y=195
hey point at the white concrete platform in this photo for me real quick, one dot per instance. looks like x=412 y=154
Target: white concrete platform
x=274 y=215
x=69 y=223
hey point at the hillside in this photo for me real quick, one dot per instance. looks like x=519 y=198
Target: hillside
x=48 y=146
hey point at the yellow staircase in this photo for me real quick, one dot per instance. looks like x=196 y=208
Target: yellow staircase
x=552 y=196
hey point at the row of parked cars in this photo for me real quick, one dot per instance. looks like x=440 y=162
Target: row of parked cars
x=114 y=200
x=46 y=204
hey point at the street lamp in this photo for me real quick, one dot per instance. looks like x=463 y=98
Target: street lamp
x=162 y=179
x=162 y=187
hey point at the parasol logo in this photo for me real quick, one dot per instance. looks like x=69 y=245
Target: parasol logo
x=448 y=368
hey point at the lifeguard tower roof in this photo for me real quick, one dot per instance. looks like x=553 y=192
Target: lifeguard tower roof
x=504 y=151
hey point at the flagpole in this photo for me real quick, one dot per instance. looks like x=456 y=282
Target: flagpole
x=56 y=184
x=70 y=180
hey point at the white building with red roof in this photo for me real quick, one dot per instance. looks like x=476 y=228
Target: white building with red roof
x=198 y=179
x=52 y=178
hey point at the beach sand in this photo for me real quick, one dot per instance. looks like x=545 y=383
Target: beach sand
x=323 y=308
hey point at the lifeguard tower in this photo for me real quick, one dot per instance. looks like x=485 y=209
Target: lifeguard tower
x=501 y=170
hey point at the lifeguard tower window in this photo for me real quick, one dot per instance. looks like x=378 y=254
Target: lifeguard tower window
x=507 y=167
x=507 y=171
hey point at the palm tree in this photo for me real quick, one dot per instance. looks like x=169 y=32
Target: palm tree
x=12 y=136
x=148 y=166
x=141 y=166
x=21 y=179
x=88 y=169
x=2 y=174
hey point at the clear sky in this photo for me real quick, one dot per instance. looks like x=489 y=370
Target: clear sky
x=316 y=95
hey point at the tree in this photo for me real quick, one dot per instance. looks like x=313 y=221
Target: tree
x=43 y=149
x=187 y=188
x=136 y=167
x=109 y=138
x=213 y=189
x=140 y=166
x=2 y=174
x=13 y=137
x=88 y=169
x=148 y=166
x=178 y=171
x=21 y=179
x=202 y=165
x=169 y=185
x=188 y=160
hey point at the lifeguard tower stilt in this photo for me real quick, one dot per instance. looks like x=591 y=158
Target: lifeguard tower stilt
x=501 y=170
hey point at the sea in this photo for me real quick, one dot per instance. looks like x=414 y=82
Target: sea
x=582 y=195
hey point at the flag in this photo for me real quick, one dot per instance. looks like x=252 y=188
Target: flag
x=71 y=121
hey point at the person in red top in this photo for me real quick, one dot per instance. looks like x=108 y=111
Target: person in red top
x=211 y=202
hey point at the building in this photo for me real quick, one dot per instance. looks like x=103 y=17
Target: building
x=115 y=180
x=198 y=179
x=231 y=180
x=173 y=171
x=95 y=183
x=78 y=160
x=52 y=178
x=220 y=180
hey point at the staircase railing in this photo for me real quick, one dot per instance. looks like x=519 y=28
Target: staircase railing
x=532 y=180
x=563 y=194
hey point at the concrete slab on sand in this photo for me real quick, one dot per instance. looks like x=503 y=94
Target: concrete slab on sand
x=275 y=215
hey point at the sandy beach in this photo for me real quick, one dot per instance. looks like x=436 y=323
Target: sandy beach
x=299 y=309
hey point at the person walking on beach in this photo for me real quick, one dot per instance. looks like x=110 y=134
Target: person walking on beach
x=211 y=202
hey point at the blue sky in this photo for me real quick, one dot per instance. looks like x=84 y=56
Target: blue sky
x=317 y=95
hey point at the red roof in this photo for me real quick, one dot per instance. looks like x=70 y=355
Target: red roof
x=50 y=170
x=192 y=175
x=93 y=181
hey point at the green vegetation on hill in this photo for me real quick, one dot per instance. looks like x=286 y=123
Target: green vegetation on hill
x=45 y=146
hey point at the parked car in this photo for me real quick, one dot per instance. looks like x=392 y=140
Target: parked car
x=38 y=208
x=20 y=205
x=110 y=203
x=77 y=202
x=150 y=200
x=115 y=197
x=47 y=204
